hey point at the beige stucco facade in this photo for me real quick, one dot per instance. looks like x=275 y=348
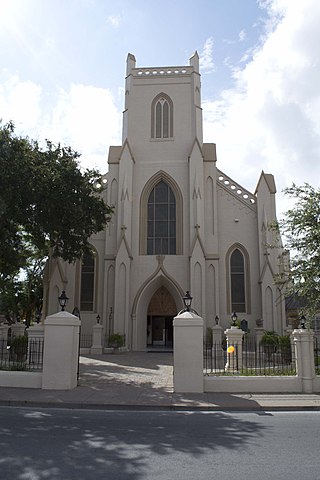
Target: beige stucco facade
x=137 y=291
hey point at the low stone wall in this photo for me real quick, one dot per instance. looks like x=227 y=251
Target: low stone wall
x=20 y=379
x=256 y=384
x=316 y=384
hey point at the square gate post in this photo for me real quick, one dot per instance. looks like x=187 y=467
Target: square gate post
x=61 y=351
x=188 y=353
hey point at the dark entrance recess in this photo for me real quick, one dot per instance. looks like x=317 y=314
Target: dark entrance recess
x=162 y=309
x=160 y=331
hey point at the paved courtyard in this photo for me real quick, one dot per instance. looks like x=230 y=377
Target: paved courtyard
x=130 y=377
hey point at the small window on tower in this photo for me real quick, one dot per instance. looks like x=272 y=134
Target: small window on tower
x=162 y=117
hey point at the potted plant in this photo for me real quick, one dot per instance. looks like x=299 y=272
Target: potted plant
x=116 y=340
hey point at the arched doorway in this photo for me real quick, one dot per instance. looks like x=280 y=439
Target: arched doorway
x=161 y=311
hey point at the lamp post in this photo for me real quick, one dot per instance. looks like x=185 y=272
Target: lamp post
x=63 y=300
x=98 y=319
x=217 y=319
x=234 y=319
x=187 y=300
x=303 y=322
x=38 y=316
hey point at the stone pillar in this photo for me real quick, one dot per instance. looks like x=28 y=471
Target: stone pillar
x=304 y=352
x=258 y=331
x=97 y=339
x=217 y=335
x=217 y=351
x=61 y=351
x=18 y=330
x=234 y=349
x=4 y=335
x=188 y=353
x=4 y=352
x=35 y=344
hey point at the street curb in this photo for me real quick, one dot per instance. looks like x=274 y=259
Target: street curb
x=139 y=407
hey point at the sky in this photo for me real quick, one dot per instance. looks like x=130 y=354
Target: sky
x=62 y=71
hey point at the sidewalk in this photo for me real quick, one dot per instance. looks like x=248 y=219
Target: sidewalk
x=136 y=380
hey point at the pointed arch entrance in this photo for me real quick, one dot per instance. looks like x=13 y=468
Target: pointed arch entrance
x=160 y=305
x=161 y=311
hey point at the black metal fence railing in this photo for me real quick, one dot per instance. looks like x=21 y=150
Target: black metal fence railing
x=25 y=355
x=85 y=340
x=317 y=354
x=248 y=358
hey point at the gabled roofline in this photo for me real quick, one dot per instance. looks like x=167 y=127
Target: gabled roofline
x=269 y=179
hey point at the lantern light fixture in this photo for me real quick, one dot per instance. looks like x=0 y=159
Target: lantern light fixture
x=63 y=300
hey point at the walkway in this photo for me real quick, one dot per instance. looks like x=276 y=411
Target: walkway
x=131 y=378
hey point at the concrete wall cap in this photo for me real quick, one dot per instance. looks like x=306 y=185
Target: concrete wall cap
x=188 y=315
x=62 y=318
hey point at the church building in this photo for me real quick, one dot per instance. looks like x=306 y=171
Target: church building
x=179 y=224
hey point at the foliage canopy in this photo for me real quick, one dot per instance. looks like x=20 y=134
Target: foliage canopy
x=301 y=228
x=48 y=204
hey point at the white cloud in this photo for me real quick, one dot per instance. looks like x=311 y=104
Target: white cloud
x=206 y=56
x=242 y=35
x=270 y=119
x=84 y=117
x=19 y=101
x=114 y=20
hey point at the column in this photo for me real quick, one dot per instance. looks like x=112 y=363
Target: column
x=304 y=351
x=234 y=349
x=18 y=330
x=258 y=331
x=97 y=339
x=4 y=352
x=61 y=351
x=4 y=335
x=35 y=344
x=188 y=353
x=217 y=351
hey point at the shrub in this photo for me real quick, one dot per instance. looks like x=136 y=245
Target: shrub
x=116 y=340
x=270 y=340
x=19 y=346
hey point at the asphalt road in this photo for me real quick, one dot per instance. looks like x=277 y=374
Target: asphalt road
x=60 y=444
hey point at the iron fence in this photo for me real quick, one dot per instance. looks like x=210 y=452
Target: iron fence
x=248 y=358
x=317 y=354
x=27 y=355
x=85 y=340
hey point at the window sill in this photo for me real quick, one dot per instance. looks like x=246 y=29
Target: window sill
x=171 y=139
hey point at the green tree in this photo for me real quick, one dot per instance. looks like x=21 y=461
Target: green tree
x=301 y=228
x=48 y=205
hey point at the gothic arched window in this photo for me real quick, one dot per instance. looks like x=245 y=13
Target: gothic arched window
x=161 y=228
x=238 y=284
x=162 y=117
x=161 y=207
x=87 y=282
